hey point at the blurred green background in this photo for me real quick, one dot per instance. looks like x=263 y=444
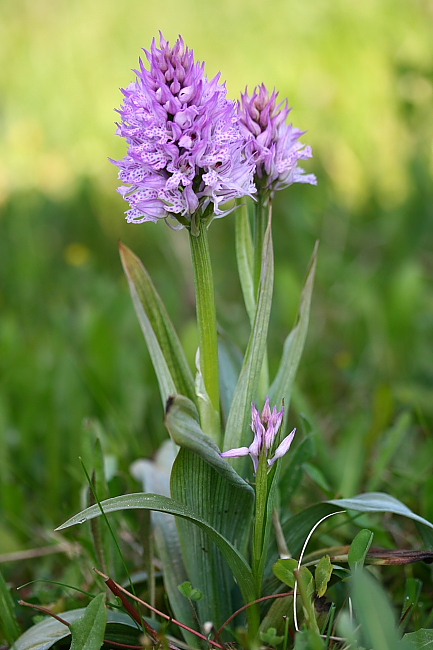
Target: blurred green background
x=360 y=78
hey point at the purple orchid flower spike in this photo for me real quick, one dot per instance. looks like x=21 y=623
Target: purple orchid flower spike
x=265 y=427
x=273 y=142
x=187 y=151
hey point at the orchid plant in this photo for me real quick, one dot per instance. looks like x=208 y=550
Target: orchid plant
x=223 y=531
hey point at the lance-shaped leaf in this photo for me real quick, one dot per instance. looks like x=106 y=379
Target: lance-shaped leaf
x=245 y=259
x=359 y=549
x=296 y=528
x=237 y=433
x=282 y=385
x=88 y=630
x=210 y=487
x=238 y=564
x=379 y=502
x=173 y=372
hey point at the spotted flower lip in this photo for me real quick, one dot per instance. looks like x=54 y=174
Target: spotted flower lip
x=265 y=427
x=186 y=148
x=274 y=143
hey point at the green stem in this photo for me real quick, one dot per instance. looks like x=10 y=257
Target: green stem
x=263 y=207
x=207 y=328
x=260 y=518
x=263 y=212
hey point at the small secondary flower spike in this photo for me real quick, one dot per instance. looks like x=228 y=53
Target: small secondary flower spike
x=273 y=141
x=186 y=147
x=265 y=428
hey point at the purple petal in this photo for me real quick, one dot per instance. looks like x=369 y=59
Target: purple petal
x=266 y=413
x=273 y=142
x=235 y=453
x=170 y=109
x=282 y=448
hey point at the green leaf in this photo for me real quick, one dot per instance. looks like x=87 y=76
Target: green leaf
x=420 y=640
x=375 y=614
x=236 y=561
x=306 y=589
x=282 y=385
x=283 y=569
x=245 y=259
x=88 y=630
x=359 y=549
x=322 y=575
x=228 y=508
x=378 y=502
x=187 y=590
x=8 y=619
x=168 y=357
x=237 y=430
x=49 y=631
x=181 y=420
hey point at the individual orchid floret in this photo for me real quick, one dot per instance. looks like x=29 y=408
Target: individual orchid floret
x=186 y=149
x=274 y=143
x=265 y=427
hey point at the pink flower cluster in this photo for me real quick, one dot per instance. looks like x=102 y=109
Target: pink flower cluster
x=192 y=150
x=265 y=428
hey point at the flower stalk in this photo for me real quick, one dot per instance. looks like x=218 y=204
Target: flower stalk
x=262 y=215
x=260 y=518
x=207 y=329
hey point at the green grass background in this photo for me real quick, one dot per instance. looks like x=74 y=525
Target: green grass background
x=360 y=78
